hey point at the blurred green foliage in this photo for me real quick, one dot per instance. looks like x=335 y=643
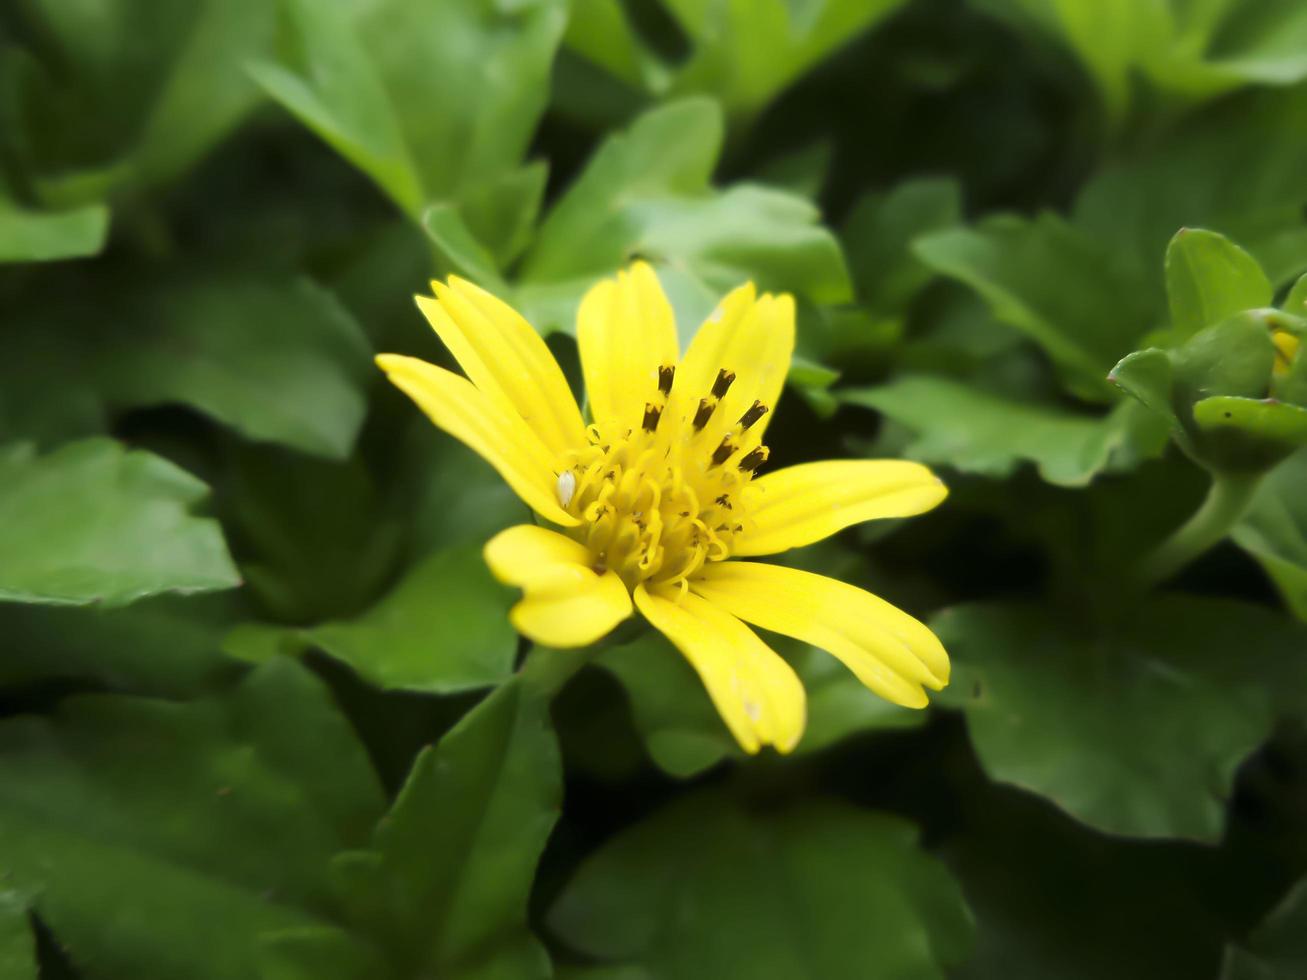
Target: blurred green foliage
x=262 y=714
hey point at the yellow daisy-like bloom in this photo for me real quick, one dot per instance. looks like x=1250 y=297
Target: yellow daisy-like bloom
x=655 y=496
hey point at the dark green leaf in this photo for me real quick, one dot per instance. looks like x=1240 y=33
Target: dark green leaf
x=1134 y=728
x=1278 y=947
x=200 y=825
x=93 y=522
x=1054 y=284
x=708 y=888
x=331 y=84
x=443 y=628
x=977 y=432
x=447 y=878
x=879 y=233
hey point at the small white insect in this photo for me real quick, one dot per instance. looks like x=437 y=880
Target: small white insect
x=716 y=315
x=566 y=487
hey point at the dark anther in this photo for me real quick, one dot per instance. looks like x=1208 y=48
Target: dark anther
x=706 y=406
x=651 y=414
x=756 y=411
x=722 y=527
x=665 y=375
x=723 y=383
x=754 y=459
x=723 y=452
x=723 y=501
x=685 y=513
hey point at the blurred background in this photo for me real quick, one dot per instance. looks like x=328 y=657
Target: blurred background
x=261 y=711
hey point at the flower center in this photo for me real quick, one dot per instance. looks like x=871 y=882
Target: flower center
x=659 y=501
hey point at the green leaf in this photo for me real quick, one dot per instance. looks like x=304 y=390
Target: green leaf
x=447 y=879
x=1147 y=376
x=213 y=822
x=974 y=431
x=42 y=236
x=124 y=115
x=328 y=81
x=278 y=360
x=17 y=946
x=685 y=736
x=459 y=250
x=706 y=887
x=879 y=234
x=1277 y=949
x=468 y=81
x=1054 y=284
x=1274 y=531
x=1135 y=728
x=1264 y=418
x=93 y=522
x=1134 y=206
x=646 y=193
x=443 y=628
x=1209 y=278
x=1015 y=855
x=168 y=646
x=743 y=52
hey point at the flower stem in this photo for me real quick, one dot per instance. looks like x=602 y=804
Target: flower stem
x=1227 y=499
x=547 y=671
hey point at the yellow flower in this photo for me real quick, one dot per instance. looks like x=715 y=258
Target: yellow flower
x=659 y=491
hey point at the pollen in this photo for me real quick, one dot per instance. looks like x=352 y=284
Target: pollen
x=659 y=501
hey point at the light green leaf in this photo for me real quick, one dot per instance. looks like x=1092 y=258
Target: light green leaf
x=1052 y=283
x=1209 y=278
x=443 y=628
x=202 y=825
x=706 y=887
x=93 y=522
x=331 y=84
x=974 y=431
x=1147 y=376
x=450 y=869
x=1274 y=531
x=1135 y=728
x=42 y=236
x=646 y=193
x=1264 y=418
x=467 y=80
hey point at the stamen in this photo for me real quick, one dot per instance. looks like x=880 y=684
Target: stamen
x=723 y=383
x=706 y=408
x=665 y=375
x=723 y=452
x=652 y=413
x=754 y=459
x=723 y=501
x=756 y=411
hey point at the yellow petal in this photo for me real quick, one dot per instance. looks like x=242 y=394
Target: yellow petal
x=802 y=504
x=888 y=650
x=505 y=357
x=567 y=603
x=625 y=331
x=750 y=336
x=486 y=426
x=756 y=692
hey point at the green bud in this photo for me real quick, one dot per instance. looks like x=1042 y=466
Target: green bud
x=1235 y=392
